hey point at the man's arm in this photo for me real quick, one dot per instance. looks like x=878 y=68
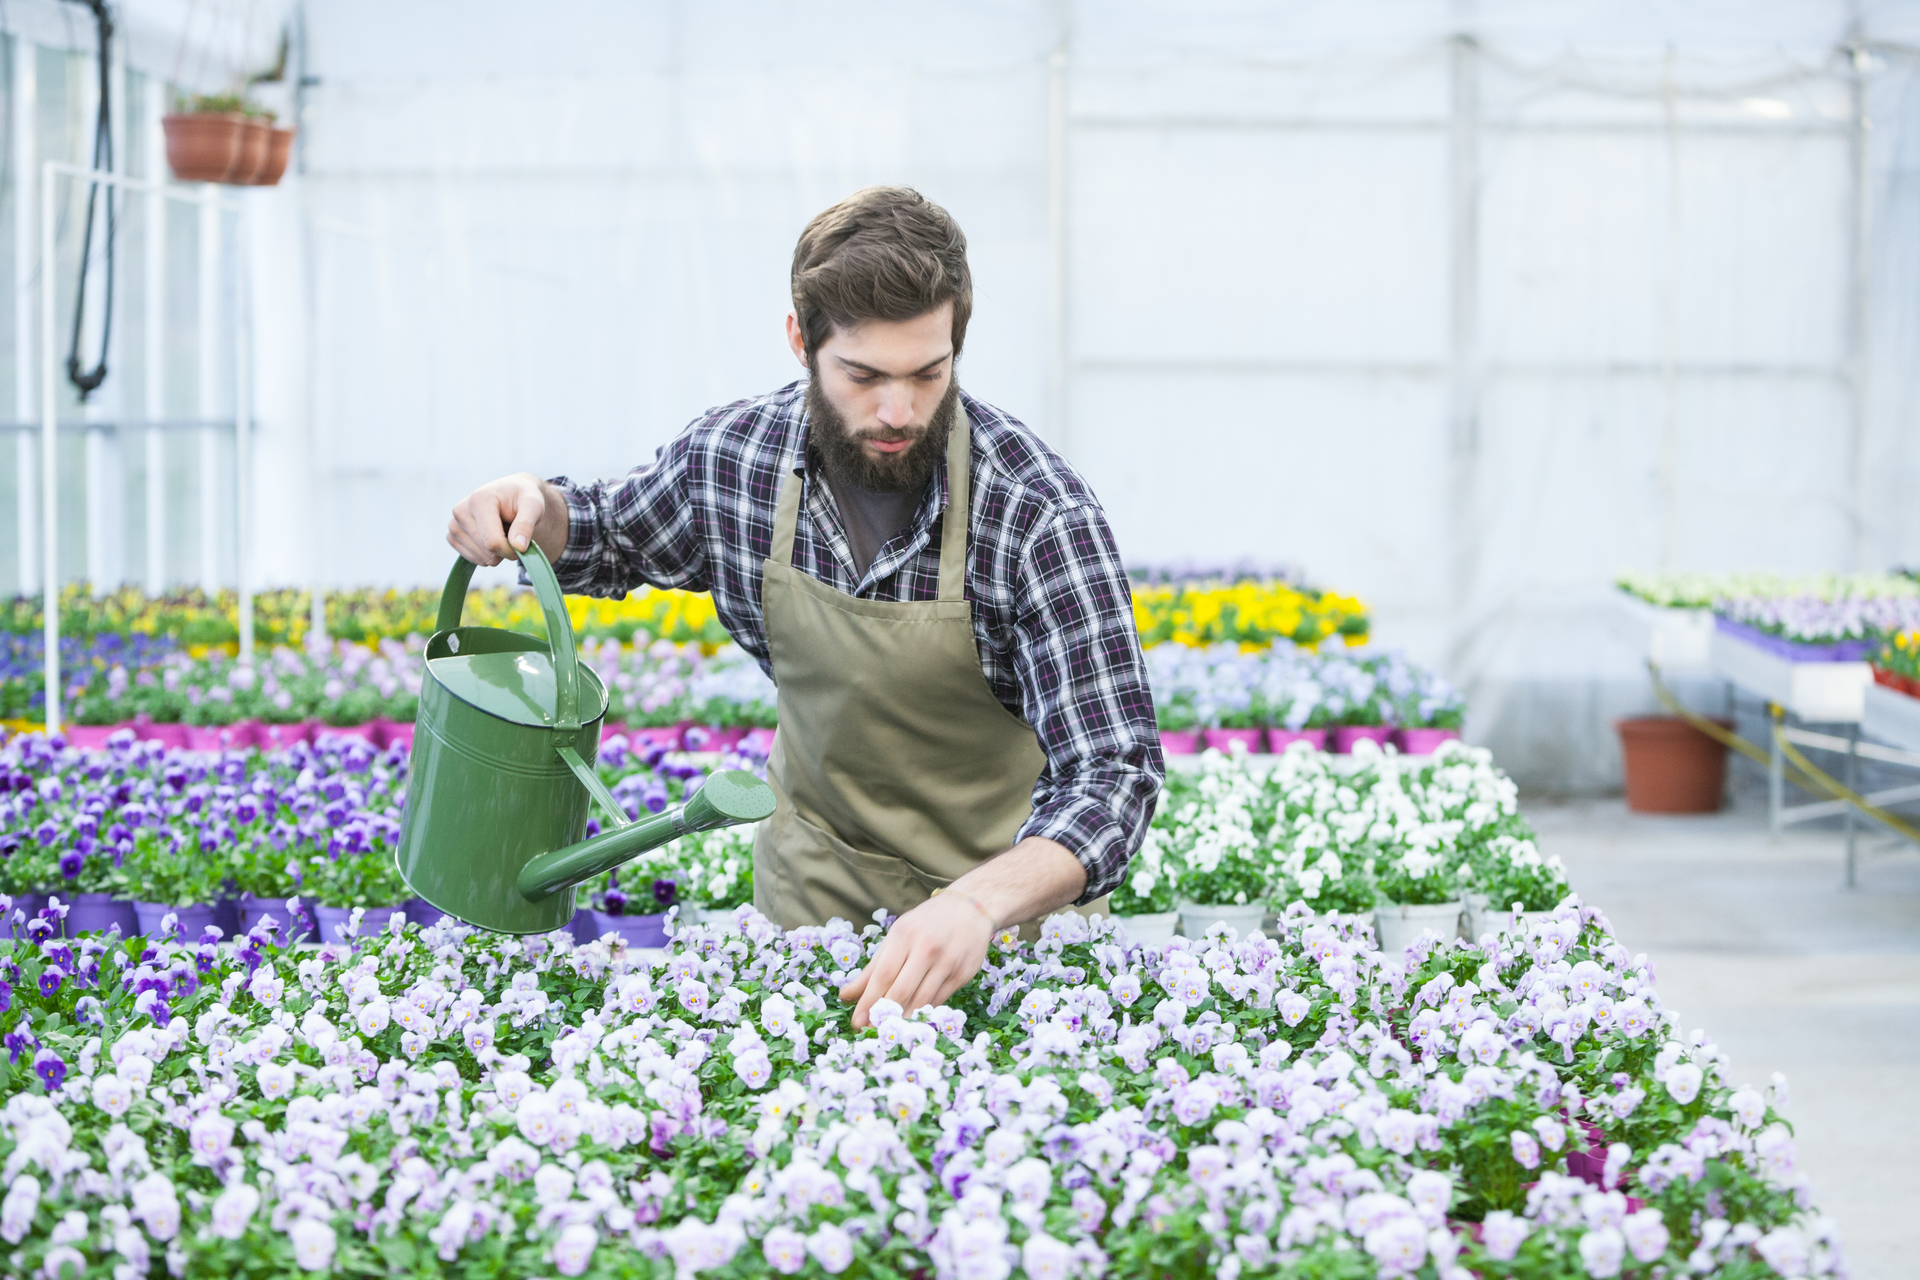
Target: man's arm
x=495 y=521
x=933 y=950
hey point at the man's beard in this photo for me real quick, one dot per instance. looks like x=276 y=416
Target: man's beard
x=845 y=456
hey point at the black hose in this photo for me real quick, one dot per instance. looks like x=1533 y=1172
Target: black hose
x=88 y=381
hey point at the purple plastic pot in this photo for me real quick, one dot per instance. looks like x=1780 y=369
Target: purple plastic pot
x=395 y=731
x=1423 y=742
x=218 y=737
x=99 y=912
x=758 y=742
x=278 y=737
x=333 y=920
x=1279 y=740
x=192 y=920
x=294 y=926
x=1179 y=742
x=368 y=733
x=1794 y=650
x=422 y=912
x=638 y=931
x=1345 y=735
x=1254 y=740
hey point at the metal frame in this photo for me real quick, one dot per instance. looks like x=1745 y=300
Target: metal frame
x=210 y=205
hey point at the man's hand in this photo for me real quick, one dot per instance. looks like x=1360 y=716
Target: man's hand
x=936 y=948
x=496 y=521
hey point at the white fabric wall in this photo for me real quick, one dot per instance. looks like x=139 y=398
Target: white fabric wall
x=1464 y=326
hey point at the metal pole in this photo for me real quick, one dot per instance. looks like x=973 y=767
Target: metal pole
x=1859 y=326
x=1776 y=774
x=156 y=341
x=1853 y=785
x=49 y=471
x=209 y=390
x=242 y=438
x=1058 y=355
x=25 y=56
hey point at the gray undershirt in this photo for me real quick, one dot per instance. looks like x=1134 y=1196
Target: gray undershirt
x=872 y=520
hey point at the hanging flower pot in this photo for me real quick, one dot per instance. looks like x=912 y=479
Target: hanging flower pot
x=205 y=146
x=255 y=136
x=279 y=149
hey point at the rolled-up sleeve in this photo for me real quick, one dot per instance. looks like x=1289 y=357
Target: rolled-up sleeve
x=639 y=529
x=1084 y=690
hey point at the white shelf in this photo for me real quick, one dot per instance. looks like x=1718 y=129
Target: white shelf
x=1829 y=692
x=1891 y=717
x=1678 y=640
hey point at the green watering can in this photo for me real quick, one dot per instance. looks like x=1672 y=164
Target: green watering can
x=502 y=773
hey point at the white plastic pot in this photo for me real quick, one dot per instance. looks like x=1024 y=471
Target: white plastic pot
x=1150 y=930
x=1477 y=922
x=1399 y=923
x=1198 y=917
x=1509 y=922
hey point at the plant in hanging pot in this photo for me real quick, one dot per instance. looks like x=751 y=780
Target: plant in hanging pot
x=208 y=138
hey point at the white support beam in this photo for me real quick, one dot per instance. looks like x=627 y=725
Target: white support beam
x=242 y=436
x=207 y=401
x=154 y=298
x=26 y=168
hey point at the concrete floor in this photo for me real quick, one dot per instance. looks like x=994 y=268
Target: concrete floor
x=1756 y=940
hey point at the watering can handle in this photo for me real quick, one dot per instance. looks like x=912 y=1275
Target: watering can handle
x=566 y=664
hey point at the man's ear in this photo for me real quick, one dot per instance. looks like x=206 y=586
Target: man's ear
x=795 y=339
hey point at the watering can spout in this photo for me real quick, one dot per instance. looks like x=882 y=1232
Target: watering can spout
x=726 y=799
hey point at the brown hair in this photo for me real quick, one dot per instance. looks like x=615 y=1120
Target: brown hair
x=884 y=253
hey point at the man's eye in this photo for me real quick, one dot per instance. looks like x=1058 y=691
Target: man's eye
x=860 y=379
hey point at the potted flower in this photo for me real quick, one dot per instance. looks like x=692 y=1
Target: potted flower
x=1179 y=724
x=1417 y=895
x=717 y=874
x=1512 y=877
x=221 y=137
x=1238 y=720
x=1145 y=902
x=636 y=910
x=1221 y=866
x=1430 y=712
x=167 y=874
x=368 y=882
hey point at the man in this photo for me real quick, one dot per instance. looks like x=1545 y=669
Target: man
x=966 y=737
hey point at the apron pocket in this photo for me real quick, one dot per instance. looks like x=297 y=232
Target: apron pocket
x=821 y=876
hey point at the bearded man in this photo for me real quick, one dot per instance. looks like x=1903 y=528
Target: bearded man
x=966 y=739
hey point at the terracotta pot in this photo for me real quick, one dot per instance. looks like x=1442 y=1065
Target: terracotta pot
x=1222 y=740
x=255 y=136
x=206 y=146
x=1279 y=740
x=279 y=148
x=1671 y=766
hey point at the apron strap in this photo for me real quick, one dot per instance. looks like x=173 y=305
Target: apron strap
x=953 y=531
x=786 y=517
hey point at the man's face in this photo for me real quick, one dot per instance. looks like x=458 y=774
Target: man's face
x=883 y=393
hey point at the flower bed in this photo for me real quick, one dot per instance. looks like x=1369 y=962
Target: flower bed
x=1300 y=833
x=1290 y=689
x=1256 y=613
x=440 y=1101
x=140 y=822
x=1897 y=663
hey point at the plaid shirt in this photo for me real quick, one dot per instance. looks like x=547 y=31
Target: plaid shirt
x=1052 y=608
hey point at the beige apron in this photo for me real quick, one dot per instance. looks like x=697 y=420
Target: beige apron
x=895 y=769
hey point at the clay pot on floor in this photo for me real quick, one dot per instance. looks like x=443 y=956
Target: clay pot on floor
x=1671 y=766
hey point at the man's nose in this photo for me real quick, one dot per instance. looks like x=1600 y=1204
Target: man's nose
x=896 y=406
